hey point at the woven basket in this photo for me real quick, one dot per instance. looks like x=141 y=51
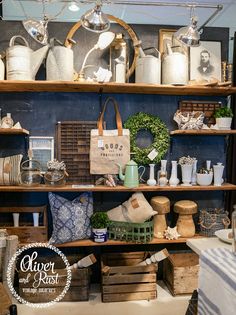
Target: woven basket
x=212 y=220
x=131 y=232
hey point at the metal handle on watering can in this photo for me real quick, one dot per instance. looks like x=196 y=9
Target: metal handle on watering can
x=12 y=40
x=153 y=48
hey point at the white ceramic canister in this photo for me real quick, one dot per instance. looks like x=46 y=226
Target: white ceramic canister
x=175 y=68
x=148 y=70
x=60 y=64
x=18 y=60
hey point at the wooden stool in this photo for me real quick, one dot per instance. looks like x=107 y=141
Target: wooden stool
x=162 y=206
x=185 y=224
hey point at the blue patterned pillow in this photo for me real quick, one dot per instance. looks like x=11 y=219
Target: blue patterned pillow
x=71 y=219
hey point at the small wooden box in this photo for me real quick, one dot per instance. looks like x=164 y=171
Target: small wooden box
x=123 y=280
x=78 y=291
x=180 y=273
x=26 y=232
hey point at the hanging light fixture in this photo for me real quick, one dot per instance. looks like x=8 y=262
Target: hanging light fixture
x=95 y=20
x=189 y=35
x=37 y=29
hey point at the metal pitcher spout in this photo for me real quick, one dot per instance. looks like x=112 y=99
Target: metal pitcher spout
x=37 y=58
x=121 y=175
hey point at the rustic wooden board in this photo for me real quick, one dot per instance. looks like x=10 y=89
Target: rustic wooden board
x=137 y=287
x=132 y=269
x=135 y=278
x=131 y=296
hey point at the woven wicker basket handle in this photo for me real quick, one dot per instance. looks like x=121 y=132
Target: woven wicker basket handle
x=118 y=117
x=12 y=40
x=206 y=227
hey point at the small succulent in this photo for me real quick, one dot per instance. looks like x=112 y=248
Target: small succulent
x=56 y=165
x=187 y=160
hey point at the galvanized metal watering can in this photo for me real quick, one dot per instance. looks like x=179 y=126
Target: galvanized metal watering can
x=174 y=67
x=60 y=62
x=148 y=67
x=22 y=62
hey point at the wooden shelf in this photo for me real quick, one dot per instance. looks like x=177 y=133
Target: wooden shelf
x=128 y=88
x=88 y=242
x=69 y=188
x=10 y=131
x=202 y=132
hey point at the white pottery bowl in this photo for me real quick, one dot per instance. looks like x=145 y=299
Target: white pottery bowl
x=204 y=179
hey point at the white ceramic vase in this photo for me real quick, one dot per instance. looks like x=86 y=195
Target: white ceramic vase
x=194 y=173
x=151 y=181
x=224 y=123
x=16 y=217
x=173 y=181
x=218 y=174
x=186 y=170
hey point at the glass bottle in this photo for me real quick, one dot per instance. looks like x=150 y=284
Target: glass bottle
x=234 y=229
x=118 y=59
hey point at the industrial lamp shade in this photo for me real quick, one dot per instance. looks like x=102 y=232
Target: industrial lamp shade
x=188 y=35
x=37 y=30
x=95 y=20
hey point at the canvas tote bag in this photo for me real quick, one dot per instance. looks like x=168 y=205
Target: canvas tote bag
x=109 y=147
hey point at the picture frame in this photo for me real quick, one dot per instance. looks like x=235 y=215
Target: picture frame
x=164 y=37
x=205 y=61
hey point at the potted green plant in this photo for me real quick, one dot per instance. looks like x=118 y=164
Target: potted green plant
x=99 y=222
x=223 y=116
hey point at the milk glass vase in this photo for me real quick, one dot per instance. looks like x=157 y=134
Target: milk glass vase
x=173 y=181
x=151 y=181
x=186 y=163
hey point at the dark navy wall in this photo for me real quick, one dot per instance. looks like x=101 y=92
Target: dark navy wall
x=39 y=113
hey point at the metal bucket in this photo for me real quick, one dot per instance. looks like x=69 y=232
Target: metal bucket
x=148 y=68
x=175 y=69
x=18 y=60
x=60 y=64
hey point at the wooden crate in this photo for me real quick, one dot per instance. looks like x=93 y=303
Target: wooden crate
x=26 y=232
x=122 y=280
x=180 y=273
x=78 y=291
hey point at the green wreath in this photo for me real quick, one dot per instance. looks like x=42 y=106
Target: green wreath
x=159 y=132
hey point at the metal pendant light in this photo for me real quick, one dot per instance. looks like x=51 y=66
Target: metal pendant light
x=37 y=29
x=95 y=20
x=189 y=35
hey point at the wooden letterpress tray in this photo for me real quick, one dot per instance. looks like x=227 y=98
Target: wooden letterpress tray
x=207 y=107
x=26 y=232
x=73 y=145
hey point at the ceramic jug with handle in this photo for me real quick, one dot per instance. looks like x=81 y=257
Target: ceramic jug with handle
x=131 y=177
x=22 y=63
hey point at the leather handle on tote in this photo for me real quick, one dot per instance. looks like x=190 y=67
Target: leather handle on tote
x=118 y=117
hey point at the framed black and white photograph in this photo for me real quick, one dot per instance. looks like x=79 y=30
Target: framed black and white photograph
x=205 y=61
